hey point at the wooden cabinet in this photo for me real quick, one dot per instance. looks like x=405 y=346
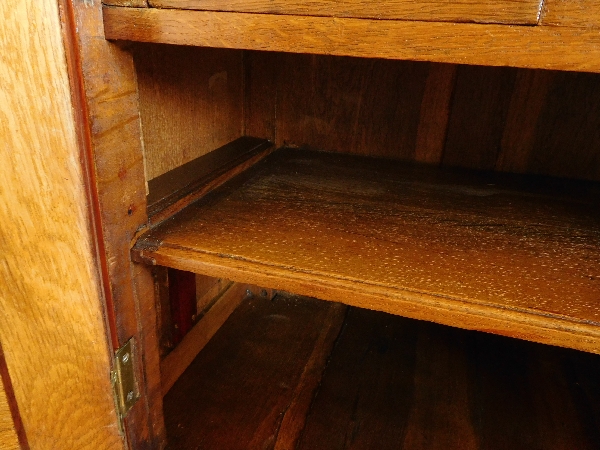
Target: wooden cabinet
x=426 y=172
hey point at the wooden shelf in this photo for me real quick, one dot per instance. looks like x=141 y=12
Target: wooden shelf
x=272 y=377
x=513 y=255
x=540 y=46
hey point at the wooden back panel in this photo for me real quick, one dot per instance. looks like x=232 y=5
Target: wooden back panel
x=505 y=119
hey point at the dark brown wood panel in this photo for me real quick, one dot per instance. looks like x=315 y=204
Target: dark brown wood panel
x=237 y=391
x=350 y=104
x=480 y=105
x=496 y=45
x=387 y=383
x=191 y=102
x=483 y=11
x=475 y=250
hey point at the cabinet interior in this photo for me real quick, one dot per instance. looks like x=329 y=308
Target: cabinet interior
x=474 y=133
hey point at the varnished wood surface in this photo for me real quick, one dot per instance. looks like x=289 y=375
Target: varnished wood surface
x=545 y=47
x=580 y=13
x=251 y=376
x=191 y=102
x=483 y=11
x=509 y=255
x=52 y=325
x=387 y=383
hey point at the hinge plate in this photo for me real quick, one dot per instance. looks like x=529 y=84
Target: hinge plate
x=123 y=380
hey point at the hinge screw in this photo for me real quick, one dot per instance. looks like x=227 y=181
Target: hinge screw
x=130 y=396
x=125 y=358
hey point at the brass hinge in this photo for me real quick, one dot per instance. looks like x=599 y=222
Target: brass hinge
x=124 y=384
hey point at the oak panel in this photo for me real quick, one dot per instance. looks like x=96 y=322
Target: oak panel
x=52 y=326
x=483 y=11
x=573 y=13
x=8 y=435
x=191 y=102
x=496 y=45
x=510 y=255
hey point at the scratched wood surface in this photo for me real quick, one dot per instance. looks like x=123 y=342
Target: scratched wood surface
x=545 y=47
x=482 y=11
x=511 y=255
x=52 y=326
x=387 y=383
x=191 y=102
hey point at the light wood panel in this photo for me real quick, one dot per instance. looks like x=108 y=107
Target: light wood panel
x=106 y=104
x=575 y=13
x=8 y=435
x=52 y=324
x=496 y=45
x=484 y=11
x=509 y=255
x=191 y=102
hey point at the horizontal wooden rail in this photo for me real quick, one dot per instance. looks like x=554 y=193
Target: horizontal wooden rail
x=547 y=47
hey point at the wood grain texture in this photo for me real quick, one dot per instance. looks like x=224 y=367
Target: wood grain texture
x=191 y=102
x=107 y=89
x=495 y=45
x=386 y=236
x=503 y=119
x=435 y=113
x=384 y=382
x=486 y=11
x=127 y=3
x=573 y=13
x=349 y=104
x=479 y=109
x=175 y=363
x=9 y=439
x=52 y=327
x=250 y=376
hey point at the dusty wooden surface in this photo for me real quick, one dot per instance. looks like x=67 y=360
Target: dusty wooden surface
x=504 y=119
x=191 y=102
x=509 y=255
x=387 y=383
x=483 y=11
x=52 y=325
x=545 y=47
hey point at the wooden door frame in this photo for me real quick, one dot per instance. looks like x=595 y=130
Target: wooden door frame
x=106 y=105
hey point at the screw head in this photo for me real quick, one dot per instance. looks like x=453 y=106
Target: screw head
x=130 y=396
x=125 y=358
x=248 y=293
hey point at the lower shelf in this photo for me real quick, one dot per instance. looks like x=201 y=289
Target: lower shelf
x=301 y=373
x=506 y=254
